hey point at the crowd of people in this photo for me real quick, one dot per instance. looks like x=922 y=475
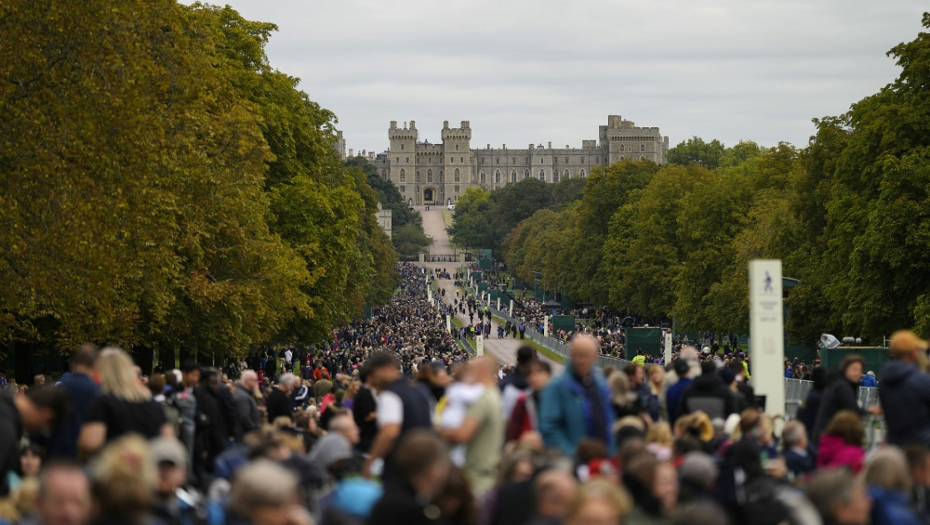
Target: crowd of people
x=392 y=423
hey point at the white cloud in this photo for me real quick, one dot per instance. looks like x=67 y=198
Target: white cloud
x=536 y=71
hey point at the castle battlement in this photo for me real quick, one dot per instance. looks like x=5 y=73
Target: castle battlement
x=440 y=173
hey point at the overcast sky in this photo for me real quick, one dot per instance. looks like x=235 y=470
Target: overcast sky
x=537 y=71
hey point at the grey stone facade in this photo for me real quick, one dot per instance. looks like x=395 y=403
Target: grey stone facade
x=439 y=173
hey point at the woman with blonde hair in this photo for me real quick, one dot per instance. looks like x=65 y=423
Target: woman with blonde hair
x=659 y=441
x=598 y=502
x=348 y=397
x=125 y=406
x=124 y=479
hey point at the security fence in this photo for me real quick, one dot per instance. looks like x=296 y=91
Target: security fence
x=796 y=390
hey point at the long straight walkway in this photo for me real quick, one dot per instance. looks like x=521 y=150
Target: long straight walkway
x=504 y=350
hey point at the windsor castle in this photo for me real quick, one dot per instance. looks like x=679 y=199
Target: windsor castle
x=439 y=173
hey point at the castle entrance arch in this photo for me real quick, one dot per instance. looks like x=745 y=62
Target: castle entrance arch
x=429 y=196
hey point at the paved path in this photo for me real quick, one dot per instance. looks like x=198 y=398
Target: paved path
x=435 y=227
x=503 y=350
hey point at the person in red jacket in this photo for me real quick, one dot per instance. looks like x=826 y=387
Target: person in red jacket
x=841 y=442
x=524 y=417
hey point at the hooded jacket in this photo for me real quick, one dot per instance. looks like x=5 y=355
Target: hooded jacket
x=905 y=397
x=708 y=394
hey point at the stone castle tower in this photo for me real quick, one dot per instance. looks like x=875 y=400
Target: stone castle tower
x=439 y=173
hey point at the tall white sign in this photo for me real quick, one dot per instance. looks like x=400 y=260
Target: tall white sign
x=510 y=312
x=766 y=333
x=668 y=347
x=429 y=293
x=546 y=326
x=448 y=323
x=498 y=304
x=479 y=345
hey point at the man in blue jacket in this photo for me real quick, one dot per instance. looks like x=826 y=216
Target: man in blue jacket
x=905 y=391
x=577 y=405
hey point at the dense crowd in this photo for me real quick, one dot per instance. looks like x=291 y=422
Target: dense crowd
x=391 y=423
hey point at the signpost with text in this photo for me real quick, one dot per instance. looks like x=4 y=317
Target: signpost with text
x=668 y=347
x=766 y=328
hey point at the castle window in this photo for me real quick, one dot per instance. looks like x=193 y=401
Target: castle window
x=642 y=158
x=418 y=176
x=582 y=160
x=622 y=147
x=457 y=176
x=566 y=160
x=568 y=174
x=407 y=160
x=440 y=176
x=401 y=147
x=398 y=160
x=513 y=176
x=451 y=160
x=642 y=147
x=498 y=160
x=403 y=176
x=497 y=176
x=526 y=174
x=582 y=173
x=456 y=190
x=542 y=161
x=555 y=175
x=403 y=189
x=482 y=177
x=429 y=176
x=456 y=147
x=462 y=160
x=622 y=157
x=542 y=175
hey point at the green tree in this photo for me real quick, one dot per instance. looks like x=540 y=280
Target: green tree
x=606 y=191
x=410 y=241
x=696 y=151
x=644 y=249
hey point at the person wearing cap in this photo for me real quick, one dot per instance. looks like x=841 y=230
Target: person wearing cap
x=904 y=391
x=174 y=505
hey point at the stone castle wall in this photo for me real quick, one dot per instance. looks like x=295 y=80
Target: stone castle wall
x=440 y=173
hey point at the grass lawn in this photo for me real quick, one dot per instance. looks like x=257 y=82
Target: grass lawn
x=447 y=217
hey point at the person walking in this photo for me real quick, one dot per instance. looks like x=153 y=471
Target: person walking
x=576 y=405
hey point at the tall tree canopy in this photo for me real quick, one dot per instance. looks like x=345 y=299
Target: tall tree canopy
x=161 y=185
